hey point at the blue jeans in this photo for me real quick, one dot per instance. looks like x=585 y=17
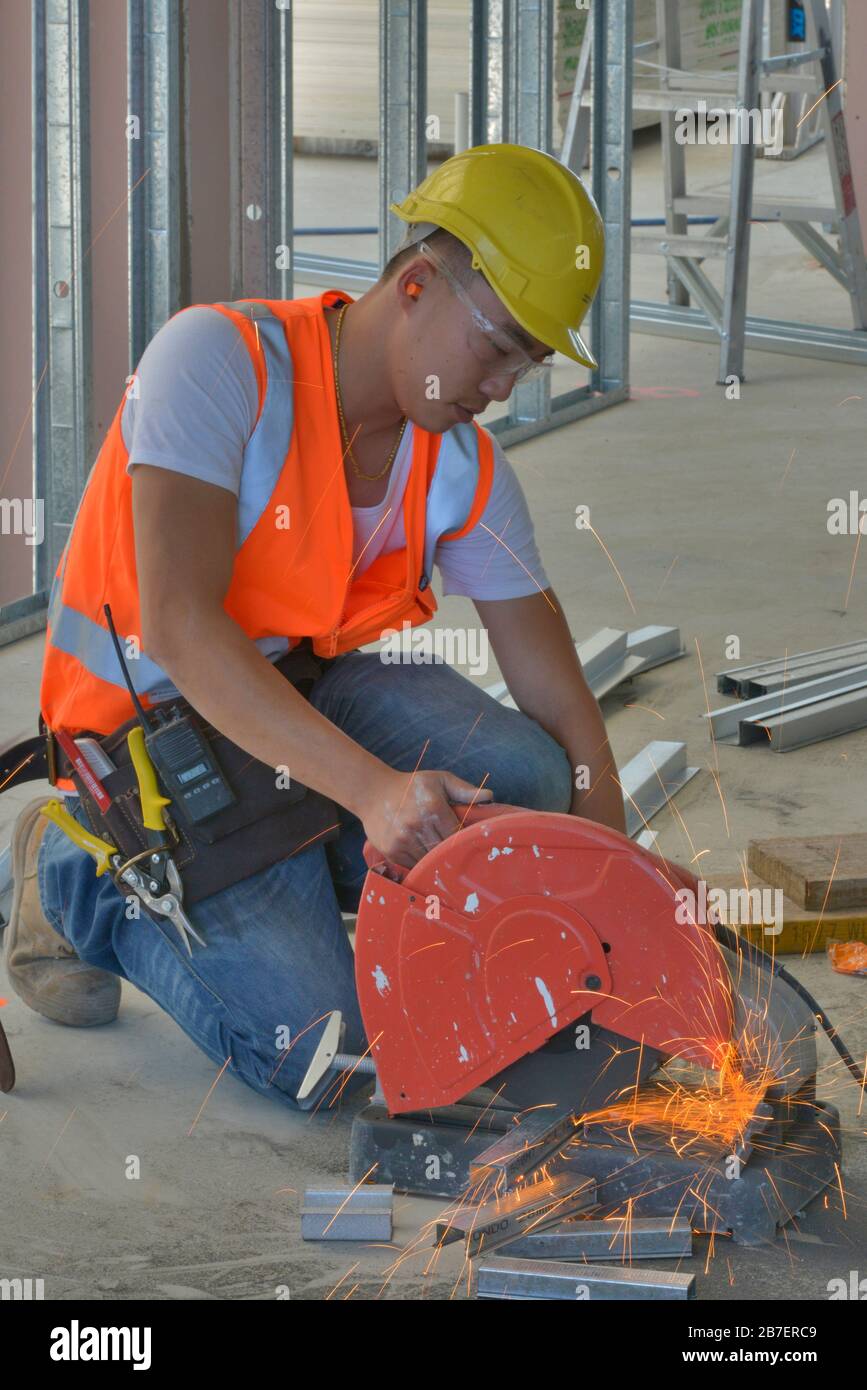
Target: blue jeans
x=278 y=958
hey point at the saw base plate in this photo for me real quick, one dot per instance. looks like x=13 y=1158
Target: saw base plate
x=422 y=1155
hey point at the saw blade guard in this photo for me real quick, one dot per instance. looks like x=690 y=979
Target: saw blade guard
x=512 y=928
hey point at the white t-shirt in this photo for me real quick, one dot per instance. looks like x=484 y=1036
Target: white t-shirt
x=195 y=408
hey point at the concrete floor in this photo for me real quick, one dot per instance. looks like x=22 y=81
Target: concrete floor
x=715 y=513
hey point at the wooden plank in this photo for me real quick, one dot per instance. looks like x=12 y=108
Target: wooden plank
x=804 y=932
x=817 y=871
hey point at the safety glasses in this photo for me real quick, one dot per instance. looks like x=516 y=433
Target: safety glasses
x=494 y=345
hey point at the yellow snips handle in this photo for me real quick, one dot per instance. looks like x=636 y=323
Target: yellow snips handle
x=99 y=849
x=151 y=800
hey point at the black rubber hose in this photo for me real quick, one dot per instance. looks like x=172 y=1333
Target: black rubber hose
x=736 y=943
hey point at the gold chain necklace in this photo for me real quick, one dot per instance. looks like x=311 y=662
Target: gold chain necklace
x=371 y=477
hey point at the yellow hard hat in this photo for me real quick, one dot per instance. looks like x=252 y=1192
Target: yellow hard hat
x=534 y=231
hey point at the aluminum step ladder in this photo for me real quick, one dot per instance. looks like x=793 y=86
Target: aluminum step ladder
x=724 y=316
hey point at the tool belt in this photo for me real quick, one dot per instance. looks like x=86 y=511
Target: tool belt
x=266 y=823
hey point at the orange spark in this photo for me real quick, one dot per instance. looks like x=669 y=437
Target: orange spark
x=551 y=605
x=349 y=1199
x=818 y=102
x=208 y=1096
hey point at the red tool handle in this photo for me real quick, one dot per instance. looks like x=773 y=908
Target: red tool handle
x=84 y=770
x=377 y=861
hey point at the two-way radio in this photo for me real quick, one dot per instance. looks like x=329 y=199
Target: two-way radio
x=184 y=760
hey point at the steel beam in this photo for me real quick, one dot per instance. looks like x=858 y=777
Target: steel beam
x=611 y=169
x=506 y=1277
x=154 y=146
x=523 y=1150
x=606 y=661
x=402 y=112
x=531 y=1207
x=673 y=154
x=725 y=723
x=359 y=1213
x=488 y=38
x=62 y=351
x=809 y=722
x=761 y=677
x=731 y=360
x=655 y=645
x=650 y=779
x=527 y=113
x=642 y=1238
x=260 y=149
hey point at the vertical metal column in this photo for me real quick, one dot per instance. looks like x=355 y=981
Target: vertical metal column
x=734 y=317
x=611 y=169
x=154 y=143
x=489 y=38
x=528 y=95
x=528 y=88
x=402 y=112
x=673 y=154
x=260 y=148
x=62 y=364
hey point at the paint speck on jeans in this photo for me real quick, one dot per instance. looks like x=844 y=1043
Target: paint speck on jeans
x=549 y=1002
x=380 y=979
x=472 y=903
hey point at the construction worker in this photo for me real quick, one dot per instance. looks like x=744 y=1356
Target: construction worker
x=287 y=470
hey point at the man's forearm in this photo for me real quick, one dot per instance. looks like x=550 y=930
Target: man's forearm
x=596 y=792
x=537 y=656
x=228 y=680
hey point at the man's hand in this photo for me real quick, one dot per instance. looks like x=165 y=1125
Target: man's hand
x=408 y=813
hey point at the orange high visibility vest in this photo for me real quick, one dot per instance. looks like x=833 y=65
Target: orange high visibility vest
x=293 y=575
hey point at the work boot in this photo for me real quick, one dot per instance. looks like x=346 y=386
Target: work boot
x=43 y=968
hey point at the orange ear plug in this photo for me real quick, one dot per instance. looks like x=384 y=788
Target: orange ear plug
x=413 y=290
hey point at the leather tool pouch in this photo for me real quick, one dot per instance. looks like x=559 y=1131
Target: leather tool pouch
x=265 y=824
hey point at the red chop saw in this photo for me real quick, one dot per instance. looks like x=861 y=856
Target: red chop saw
x=547 y=957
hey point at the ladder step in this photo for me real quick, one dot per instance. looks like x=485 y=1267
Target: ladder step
x=780 y=210
x=762 y=334
x=792 y=60
x=687 y=99
x=668 y=244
